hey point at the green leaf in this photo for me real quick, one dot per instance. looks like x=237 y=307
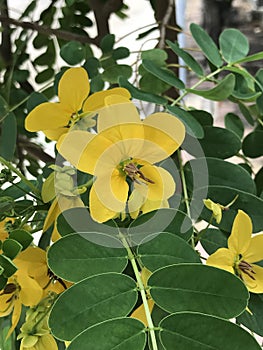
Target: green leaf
x=34 y=100
x=198 y=288
x=188 y=59
x=45 y=75
x=220 y=173
x=107 y=43
x=217 y=142
x=72 y=52
x=92 y=300
x=112 y=73
x=11 y=248
x=8 y=266
x=151 y=84
x=21 y=236
x=158 y=56
x=162 y=220
x=92 y=66
x=74 y=258
x=120 y=53
x=3 y=280
x=193 y=127
x=253 y=321
x=206 y=44
x=8 y=136
x=246 y=113
x=234 y=123
x=203 y=117
x=220 y=92
x=212 y=239
x=139 y=94
x=119 y=333
x=164 y=74
x=165 y=249
x=259 y=181
x=96 y=83
x=233 y=44
x=253 y=144
x=197 y=331
x=251 y=58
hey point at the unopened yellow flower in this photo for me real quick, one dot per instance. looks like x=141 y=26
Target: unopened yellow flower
x=36 y=342
x=55 y=119
x=242 y=252
x=122 y=155
x=216 y=209
x=19 y=290
x=59 y=184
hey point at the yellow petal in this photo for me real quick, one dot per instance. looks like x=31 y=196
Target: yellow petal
x=46 y=342
x=163 y=185
x=52 y=214
x=30 y=293
x=112 y=191
x=73 y=88
x=99 y=99
x=139 y=313
x=47 y=116
x=55 y=134
x=215 y=208
x=135 y=202
x=240 y=237
x=117 y=115
x=254 y=286
x=48 y=189
x=223 y=258
x=98 y=211
x=15 y=317
x=149 y=205
x=163 y=135
x=255 y=250
x=83 y=149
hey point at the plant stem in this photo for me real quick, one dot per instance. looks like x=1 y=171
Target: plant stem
x=22 y=177
x=142 y=291
x=185 y=192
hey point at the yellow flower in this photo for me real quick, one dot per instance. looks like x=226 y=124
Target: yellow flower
x=55 y=119
x=19 y=290
x=35 y=342
x=33 y=261
x=121 y=157
x=242 y=252
x=216 y=209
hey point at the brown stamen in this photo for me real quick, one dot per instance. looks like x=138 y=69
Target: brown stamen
x=247 y=269
x=9 y=289
x=131 y=170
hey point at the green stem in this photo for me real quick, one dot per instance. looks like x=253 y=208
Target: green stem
x=19 y=174
x=185 y=192
x=142 y=291
x=202 y=80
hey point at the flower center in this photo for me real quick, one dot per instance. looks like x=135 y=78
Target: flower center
x=246 y=268
x=135 y=174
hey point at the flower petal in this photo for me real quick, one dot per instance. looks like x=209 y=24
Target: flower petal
x=46 y=116
x=163 y=135
x=83 y=149
x=47 y=342
x=117 y=115
x=15 y=316
x=73 y=88
x=255 y=250
x=52 y=214
x=55 y=134
x=223 y=258
x=254 y=286
x=149 y=205
x=30 y=293
x=112 y=191
x=240 y=237
x=135 y=202
x=99 y=99
x=98 y=211
x=163 y=185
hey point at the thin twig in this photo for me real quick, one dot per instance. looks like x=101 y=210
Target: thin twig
x=166 y=18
